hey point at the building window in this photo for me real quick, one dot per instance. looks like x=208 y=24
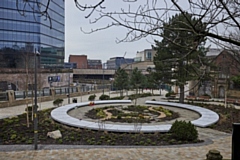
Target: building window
x=149 y=55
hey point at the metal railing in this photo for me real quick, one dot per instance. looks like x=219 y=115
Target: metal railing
x=3 y=96
x=58 y=91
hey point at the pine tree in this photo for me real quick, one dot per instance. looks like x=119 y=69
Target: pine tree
x=180 y=57
x=121 y=80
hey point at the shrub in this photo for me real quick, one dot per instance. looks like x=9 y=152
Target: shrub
x=169 y=94
x=29 y=108
x=119 y=117
x=101 y=114
x=117 y=98
x=104 y=97
x=207 y=95
x=92 y=97
x=57 y=102
x=185 y=131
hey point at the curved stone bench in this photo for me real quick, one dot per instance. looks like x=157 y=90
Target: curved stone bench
x=207 y=118
x=60 y=114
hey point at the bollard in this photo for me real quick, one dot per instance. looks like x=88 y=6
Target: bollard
x=214 y=155
x=236 y=141
x=74 y=100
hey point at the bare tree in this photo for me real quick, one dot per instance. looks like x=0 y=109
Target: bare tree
x=27 y=78
x=142 y=19
x=146 y=18
x=137 y=124
x=101 y=125
x=220 y=16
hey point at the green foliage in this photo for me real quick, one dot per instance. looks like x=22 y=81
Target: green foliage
x=57 y=102
x=117 y=98
x=13 y=136
x=104 y=97
x=137 y=108
x=29 y=108
x=185 y=131
x=101 y=114
x=236 y=81
x=92 y=97
x=164 y=110
x=134 y=96
x=169 y=94
x=137 y=79
x=207 y=95
x=121 y=79
x=119 y=117
x=180 y=55
x=152 y=81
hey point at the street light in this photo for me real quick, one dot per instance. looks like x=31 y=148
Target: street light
x=103 y=81
x=69 y=87
x=35 y=119
x=69 y=78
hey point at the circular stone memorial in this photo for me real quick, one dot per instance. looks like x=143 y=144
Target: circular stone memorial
x=62 y=115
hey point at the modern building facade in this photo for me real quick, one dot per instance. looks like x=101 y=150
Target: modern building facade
x=145 y=55
x=24 y=31
x=94 y=64
x=116 y=62
x=70 y=65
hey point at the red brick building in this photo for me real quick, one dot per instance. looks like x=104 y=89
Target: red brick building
x=227 y=65
x=81 y=61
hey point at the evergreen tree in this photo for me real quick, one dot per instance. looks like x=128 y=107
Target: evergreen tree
x=121 y=80
x=136 y=81
x=180 y=57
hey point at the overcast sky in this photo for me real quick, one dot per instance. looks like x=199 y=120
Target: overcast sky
x=100 y=45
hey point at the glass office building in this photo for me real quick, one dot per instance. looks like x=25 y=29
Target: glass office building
x=24 y=31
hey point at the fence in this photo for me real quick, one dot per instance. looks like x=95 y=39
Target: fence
x=18 y=95
x=3 y=96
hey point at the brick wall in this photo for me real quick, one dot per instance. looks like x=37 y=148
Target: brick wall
x=81 y=61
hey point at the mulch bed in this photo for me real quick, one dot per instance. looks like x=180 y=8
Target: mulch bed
x=228 y=116
x=135 y=111
x=15 y=131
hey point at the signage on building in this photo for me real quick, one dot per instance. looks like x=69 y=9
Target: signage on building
x=54 y=79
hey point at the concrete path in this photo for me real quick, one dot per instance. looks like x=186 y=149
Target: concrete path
x=215 y=140
x=123 y=153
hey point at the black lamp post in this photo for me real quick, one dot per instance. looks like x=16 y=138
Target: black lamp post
x=69 y=87
x=35 y=118
x=69 y=78
x=103 y=81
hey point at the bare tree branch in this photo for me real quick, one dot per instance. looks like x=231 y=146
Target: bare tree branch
x=146 y=18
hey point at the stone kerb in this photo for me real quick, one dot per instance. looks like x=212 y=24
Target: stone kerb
x=60 y=114
x=207 y=118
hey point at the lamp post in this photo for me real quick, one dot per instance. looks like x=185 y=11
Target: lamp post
x=103 y=81
x=35 y=118
x=69 y=87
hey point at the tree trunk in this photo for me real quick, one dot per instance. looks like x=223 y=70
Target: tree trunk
x=181 y=97
x=121 y=93
x=136 y=97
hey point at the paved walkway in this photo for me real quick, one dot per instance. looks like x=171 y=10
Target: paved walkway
x=216 y=140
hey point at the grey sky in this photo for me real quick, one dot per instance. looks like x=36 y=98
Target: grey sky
x=99 y=45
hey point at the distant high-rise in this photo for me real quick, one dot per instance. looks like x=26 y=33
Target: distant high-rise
x=23 y=31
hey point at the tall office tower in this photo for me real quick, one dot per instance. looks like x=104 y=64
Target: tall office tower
x=24 y=30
